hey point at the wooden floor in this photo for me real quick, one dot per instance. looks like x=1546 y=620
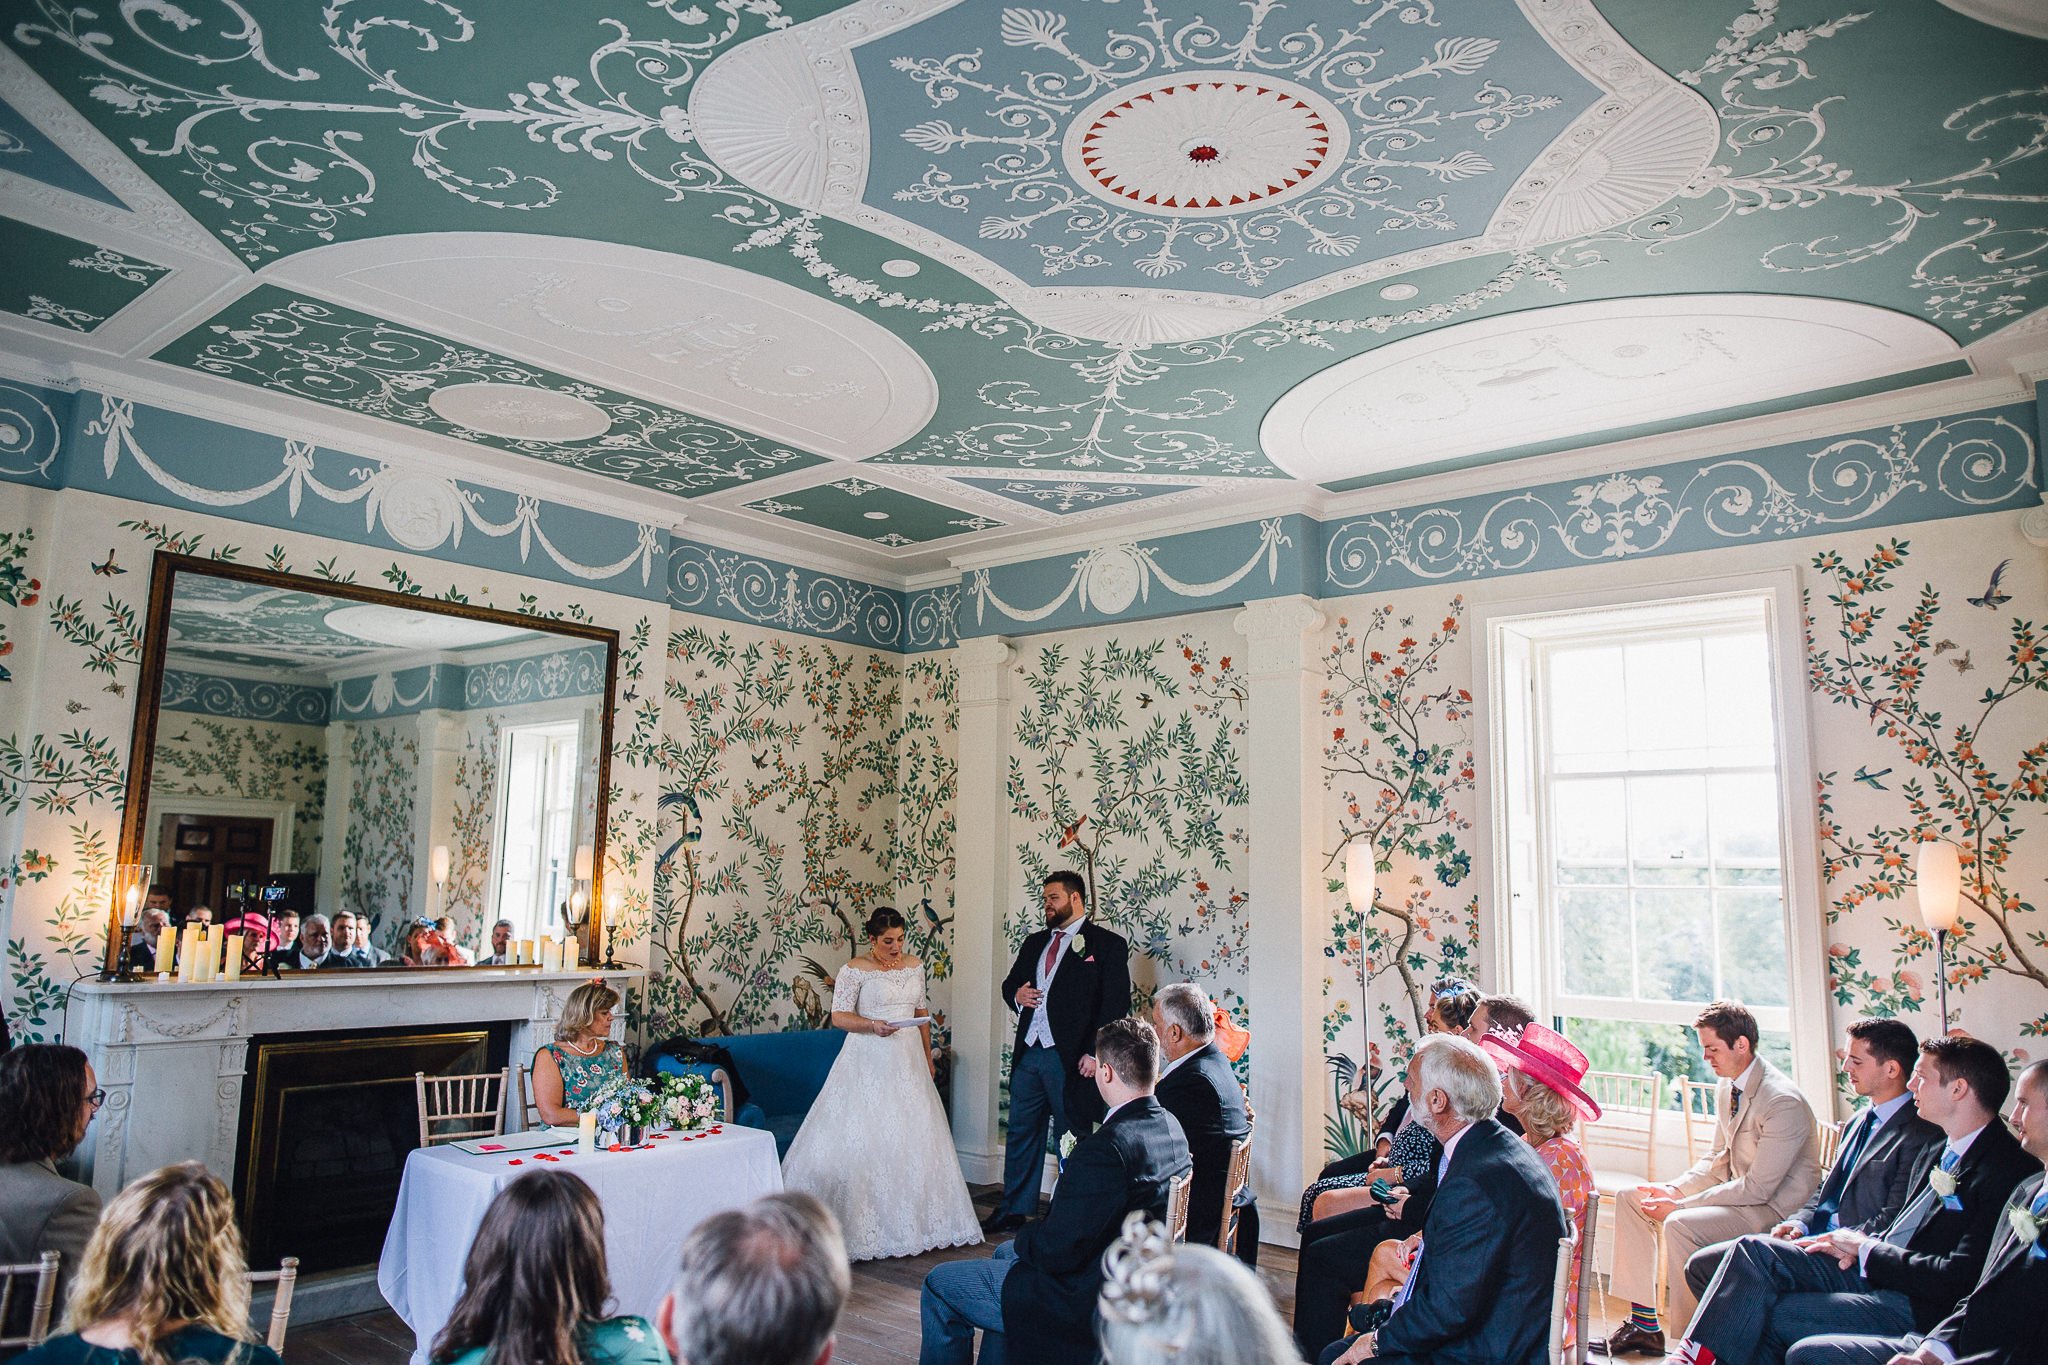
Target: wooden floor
x=879 y=1326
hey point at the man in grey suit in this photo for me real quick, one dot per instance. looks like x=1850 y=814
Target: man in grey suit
x=1873 y=1169
x=48 y=1094
x=1764 y=1166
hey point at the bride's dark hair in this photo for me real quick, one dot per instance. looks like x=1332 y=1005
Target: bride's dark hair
x=883 y=920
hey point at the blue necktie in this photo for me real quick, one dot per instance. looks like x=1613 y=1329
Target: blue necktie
x=1922 y=1208
x=1845 y=1167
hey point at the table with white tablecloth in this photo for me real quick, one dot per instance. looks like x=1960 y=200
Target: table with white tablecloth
x=652 y=1196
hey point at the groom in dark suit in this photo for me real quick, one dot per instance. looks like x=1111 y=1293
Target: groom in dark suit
x=1042 y=1287
x=1069 y=979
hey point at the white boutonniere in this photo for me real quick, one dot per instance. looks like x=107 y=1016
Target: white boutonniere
x=1067 y=1144
x=1075 y=944
x=2025 y=1226
x=1942 y=1182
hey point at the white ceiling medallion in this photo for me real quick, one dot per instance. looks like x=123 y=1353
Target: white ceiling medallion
x=419 y=511
x=1549 y=374
x=518 y=413
x=406 y=629
x=1200 y=148
x=702 y=336
x=786 y=113
x=2021 y=16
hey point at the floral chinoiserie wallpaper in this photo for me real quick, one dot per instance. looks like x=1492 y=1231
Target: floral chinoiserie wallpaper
x=250 y=759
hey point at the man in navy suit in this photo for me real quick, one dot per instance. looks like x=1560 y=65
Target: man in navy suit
x=2004 y=1321
x=1197 y=1087
x=1480 y=1289
x=1873 y=1172
x=1069 y=979
x=1770 y=1294
x=1041 y=1288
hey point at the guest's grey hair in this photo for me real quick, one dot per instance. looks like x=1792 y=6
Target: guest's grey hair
x=503 y=924
x=761 y=1285
x=1168 y=1304
x=1465 y=1074
x=1188 y=1005
x=311 y=920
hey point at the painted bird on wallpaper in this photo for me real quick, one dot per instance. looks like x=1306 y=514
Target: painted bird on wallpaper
x=108 y=569
x=1869 y=778
x=1993 y=599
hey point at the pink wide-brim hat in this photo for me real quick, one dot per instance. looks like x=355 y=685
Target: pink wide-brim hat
x=1543 y=1054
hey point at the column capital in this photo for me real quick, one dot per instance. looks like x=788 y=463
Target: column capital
x=984 y=664
x=1278 y=630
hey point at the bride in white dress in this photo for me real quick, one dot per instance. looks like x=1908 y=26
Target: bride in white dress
x=875 y=1146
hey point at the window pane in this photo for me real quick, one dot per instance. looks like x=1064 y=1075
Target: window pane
x=1675 y=945
x=1745 y=814
x=1668 y=821
x=1584 y=697
x=1592 y=874
x=1666 y=696
x=1739 y=692
x=1747 y=876
x=1594 y=942
x=1754 y=960
x=1590 y=816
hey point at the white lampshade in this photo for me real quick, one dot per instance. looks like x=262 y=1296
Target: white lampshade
x=584 y=857
x=438 y=864
x=1940 y=874
x=1358 y=874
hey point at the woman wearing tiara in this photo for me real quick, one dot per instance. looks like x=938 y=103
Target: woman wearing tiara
x=875 y=1147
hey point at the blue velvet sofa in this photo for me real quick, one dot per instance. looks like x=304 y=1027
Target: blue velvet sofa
x=783 y=1073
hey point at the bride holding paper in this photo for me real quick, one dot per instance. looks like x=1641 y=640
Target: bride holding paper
x=875 y=1147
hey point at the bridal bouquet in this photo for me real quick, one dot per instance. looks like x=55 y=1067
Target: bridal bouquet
x=688 y=1102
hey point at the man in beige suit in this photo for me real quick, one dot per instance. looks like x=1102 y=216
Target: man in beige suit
x=1765 y=1163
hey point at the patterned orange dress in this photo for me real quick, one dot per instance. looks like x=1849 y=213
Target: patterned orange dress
x=1567 y=1164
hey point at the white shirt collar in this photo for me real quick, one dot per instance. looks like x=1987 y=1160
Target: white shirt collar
x=1961 y=1146
x=1748 y=1081
x=1112 y=1113
x=1444 y=1162
x=1072 y=926
x=1885 y=1111
x=1178 y=1060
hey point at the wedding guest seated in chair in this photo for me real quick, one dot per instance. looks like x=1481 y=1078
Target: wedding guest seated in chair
x=1480 y=1288
x=2004 y=1321
x=163 y=1279
x=1771 y=1293
x=1197 y=1087
x=583 y=1059
x=761 y=1283
x=1168 y=1303
x=1040 y=1289
x=48 y=1096
x=535 y=1286
x=308 y=952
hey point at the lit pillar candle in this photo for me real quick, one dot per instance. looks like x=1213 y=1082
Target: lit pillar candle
x=166 y=948
x=572 y=954
x=234 y=957
x=550 y=955
x=526 y=956
x=188 y=951
x=586 y=1132
x=202 y=961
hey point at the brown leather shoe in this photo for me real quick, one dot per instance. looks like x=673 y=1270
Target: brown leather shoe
x=1629 y=1337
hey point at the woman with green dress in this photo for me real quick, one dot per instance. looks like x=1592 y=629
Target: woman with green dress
x=568 y=1073
x=534 y=1287
x=163 y=1280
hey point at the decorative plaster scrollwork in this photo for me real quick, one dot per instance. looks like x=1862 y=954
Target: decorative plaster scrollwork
x=1109 y=578
x=133 y=1018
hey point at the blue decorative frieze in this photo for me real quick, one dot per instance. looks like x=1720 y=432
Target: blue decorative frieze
x=765 y=592
x=154 y=455
x=32 y=420
x=1129 y=581
x=576 y=671
x=931 y=619
x=208 y=694
x=1916 y=471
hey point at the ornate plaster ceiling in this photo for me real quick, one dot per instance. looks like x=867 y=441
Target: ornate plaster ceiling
x=1034 y=265
x=223 y=621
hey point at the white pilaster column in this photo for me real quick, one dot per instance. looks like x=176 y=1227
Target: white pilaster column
x=981 y=843
x=1286 y=905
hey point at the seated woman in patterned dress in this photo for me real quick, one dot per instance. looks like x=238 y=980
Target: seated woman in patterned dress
x=568 y=1073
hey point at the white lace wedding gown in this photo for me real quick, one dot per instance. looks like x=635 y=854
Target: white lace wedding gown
x=875 y=1146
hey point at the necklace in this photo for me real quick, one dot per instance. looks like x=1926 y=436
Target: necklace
x=582 y=1050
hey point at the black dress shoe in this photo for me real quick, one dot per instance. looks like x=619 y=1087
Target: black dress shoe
x=1629 y=1337
x=1000 y=1222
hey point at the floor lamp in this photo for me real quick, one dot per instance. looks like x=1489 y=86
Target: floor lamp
x=1359 y=873
x=1939 y=873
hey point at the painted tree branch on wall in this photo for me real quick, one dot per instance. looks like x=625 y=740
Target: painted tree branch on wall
x=1959 y=789
x=919 y=836
x=1398 y=757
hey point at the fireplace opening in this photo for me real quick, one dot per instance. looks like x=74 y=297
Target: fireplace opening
x=327 y=1122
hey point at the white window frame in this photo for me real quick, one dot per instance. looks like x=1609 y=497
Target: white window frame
x=538 y=718
x=1512 y=928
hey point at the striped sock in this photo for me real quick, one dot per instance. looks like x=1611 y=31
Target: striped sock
x=1643 y=1315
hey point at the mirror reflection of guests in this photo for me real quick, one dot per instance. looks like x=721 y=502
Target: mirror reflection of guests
x=456 y=954
x=308 y=952
x=535 y=1285
x=48 y=1095
x=876 y=1148
x=568 y=1073
x=424 y=945
x=163 y=1280
x=142 y=952
x=352 y=943
x=200 y=916
x=1186 y=1304
x=501 y=946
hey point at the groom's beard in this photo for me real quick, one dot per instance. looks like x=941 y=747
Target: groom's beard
x=1062 y=921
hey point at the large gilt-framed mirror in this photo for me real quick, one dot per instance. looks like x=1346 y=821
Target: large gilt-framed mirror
x=420 y=782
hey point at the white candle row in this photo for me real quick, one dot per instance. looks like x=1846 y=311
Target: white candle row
x=198 y=954
x=552 y=955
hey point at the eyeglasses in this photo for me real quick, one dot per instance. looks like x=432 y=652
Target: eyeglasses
x=97 y=1098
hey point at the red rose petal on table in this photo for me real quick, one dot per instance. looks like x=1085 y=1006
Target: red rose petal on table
x=568 y=1151
x=515 y=1161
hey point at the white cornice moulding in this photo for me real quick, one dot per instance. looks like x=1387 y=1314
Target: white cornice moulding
x=1920 y=403
x=1288 y=499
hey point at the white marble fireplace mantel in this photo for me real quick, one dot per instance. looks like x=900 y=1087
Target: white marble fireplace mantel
x=171 y=1056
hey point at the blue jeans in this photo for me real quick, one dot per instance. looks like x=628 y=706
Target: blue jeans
x=1038 y=1084
x=958 y=1297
